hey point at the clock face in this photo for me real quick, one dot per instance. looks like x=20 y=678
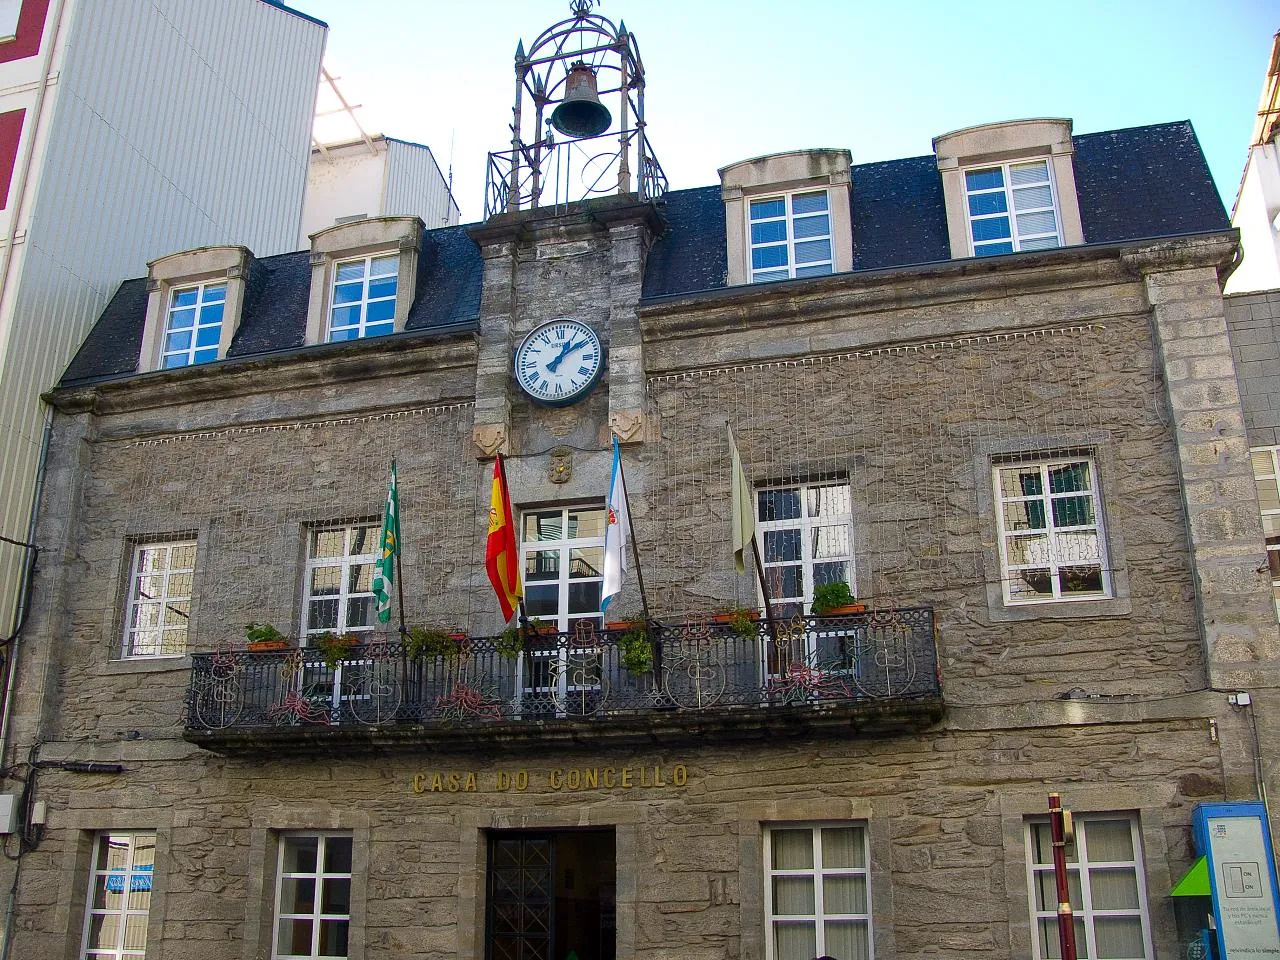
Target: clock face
x=559 y=362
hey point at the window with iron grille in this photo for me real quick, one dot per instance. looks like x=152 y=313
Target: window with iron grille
x=563 y=549
x=806 y=541
x=159 y=605
x=1050 y=529
x=338 y=593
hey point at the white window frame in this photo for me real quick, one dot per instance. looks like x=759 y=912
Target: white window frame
x=1052 y=561
x=344 y=562
x=362 y=328
x=319 y=877
x=165 y=601
x=1015 y=238
x=818 y=872
x=1268 y=484
x=205 y=304
x=806 y=524
x=132 y=872
x=10 y=13
x=1082 y=868
x=564 y=620
x=788 y=218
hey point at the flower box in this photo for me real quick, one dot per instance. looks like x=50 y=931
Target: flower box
x=266 y=646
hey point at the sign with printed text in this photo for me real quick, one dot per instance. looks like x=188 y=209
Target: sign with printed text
x=1244 y=898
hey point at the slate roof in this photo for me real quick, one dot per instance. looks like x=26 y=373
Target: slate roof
x=1135 y=184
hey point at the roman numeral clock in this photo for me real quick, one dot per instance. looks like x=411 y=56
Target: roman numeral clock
x=559 y=361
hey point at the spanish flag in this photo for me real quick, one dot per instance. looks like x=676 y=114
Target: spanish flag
x=501 y=554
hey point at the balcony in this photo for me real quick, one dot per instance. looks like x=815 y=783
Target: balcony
x=868 y=673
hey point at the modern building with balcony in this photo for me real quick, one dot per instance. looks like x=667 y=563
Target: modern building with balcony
x=989 y=388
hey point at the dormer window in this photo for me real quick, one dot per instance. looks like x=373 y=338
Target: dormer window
x=1009 y=187
x=364 y=297
x=791 y=236
x=787 y=216
x=363 y=278
x=1011 y=207
x=193 y=328
x=195 y=302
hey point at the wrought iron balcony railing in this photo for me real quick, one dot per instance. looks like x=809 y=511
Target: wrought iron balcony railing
x=696 y=668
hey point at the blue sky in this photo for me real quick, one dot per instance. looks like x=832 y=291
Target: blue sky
x=731 y=79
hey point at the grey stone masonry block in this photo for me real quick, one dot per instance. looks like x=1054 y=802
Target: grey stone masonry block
x=1259 y=351
x=1225 y=531
x=1262 y=436
x=1250 y=369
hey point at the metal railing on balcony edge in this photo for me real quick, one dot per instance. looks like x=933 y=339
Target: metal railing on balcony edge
x=695 y=664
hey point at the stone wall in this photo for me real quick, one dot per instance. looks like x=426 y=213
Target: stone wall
x=908 y=387
x=945 y=815
x=1254 y=321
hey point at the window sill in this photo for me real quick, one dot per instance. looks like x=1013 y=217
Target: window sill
x=149 y=665
x=1001 y=612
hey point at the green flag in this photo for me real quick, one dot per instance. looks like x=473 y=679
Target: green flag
x=384 y=571
x=743 y=507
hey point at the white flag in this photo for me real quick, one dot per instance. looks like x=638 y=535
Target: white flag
x=615 y=535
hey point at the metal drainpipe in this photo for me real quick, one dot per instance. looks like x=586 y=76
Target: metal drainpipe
x=23 y=598
x=18 y=190
x=10 y=910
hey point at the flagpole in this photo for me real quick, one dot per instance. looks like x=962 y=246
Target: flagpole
x=635 y=552
x=764 y=588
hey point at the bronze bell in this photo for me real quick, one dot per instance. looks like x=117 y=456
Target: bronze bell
x=580 y=113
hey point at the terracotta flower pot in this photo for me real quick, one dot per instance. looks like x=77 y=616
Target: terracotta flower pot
x=263 y=646
x=845 y=610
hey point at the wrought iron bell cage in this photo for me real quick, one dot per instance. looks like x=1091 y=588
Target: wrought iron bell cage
x=619 y=159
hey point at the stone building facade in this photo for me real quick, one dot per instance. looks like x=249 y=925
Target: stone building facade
x=863 y=784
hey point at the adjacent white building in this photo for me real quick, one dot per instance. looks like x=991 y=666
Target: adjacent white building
x=130 y=129
x=1257 y=210
x=375 y=176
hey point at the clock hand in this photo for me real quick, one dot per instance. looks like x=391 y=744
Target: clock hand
x=567 y=349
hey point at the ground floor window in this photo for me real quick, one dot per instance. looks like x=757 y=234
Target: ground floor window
x=817 y=894
x=1107 y=887
x=551 y=894
x=115 y=925
x=313 y=896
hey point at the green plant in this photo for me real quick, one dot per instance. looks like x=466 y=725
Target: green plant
x=430 y=642
x=743 y=621
x=335 y=647
x=829 y=596
x=637 y=652
x=263 y=633
x=510 y=643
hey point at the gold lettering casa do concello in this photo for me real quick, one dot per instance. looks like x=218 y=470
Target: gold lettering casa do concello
x=560 y=779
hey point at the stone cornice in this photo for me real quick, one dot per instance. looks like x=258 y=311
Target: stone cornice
x=579 y=221
x=778 y=306
x=275 y=374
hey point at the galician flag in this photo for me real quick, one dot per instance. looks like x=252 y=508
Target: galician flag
x=384 y=571
x=615 y=535
x=742 y=509
x=501 y=553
